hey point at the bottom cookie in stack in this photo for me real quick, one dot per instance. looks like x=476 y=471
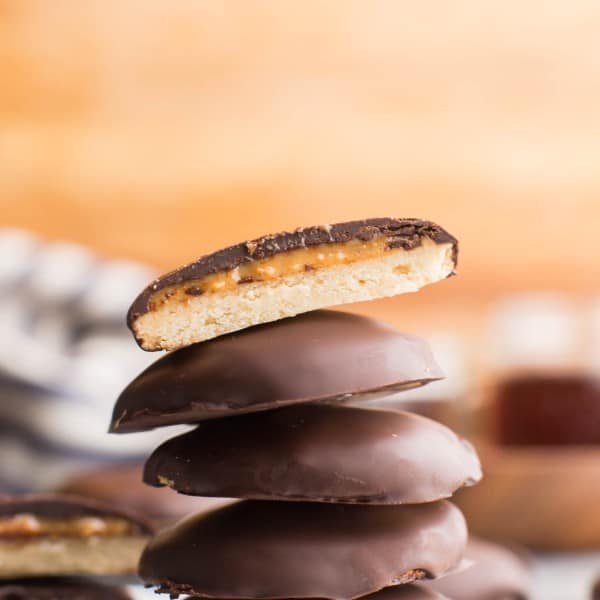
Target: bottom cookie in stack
x=263 y=549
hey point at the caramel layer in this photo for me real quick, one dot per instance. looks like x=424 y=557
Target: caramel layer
x=280 y=265
x=26 y=525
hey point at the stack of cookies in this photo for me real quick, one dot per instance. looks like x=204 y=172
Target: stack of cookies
x=339 y=501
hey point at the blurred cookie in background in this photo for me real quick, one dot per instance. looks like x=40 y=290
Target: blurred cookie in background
x=47 y=535
x=538 y=427
x=495 y=573
x=120 y=485
x=59 y=588
x=547 y=409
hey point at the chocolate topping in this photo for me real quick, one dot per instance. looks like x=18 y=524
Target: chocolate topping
x=496 y=573
x=58 y=588
x=401 y=233
x=59 y=506
x=315 y=356
x=262 y=549
x=319 y=453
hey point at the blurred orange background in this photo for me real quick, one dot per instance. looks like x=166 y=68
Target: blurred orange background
x=161 y=130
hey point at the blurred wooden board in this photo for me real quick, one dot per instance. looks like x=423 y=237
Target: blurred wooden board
x=164 y=130
x=544 y=497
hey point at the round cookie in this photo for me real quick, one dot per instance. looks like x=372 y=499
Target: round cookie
x=323 y=355
x=317 y=452
x=262 y=549
x=58 y=588
x=285 y=274
x=496 y=573
x=49 y=535
x=121 y=486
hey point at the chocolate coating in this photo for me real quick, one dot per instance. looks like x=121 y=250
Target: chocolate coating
x=262 y=549
x=315 y=356
x=63 y=506
x=497 y=573
x=401 y=233
x=318 y=452
x=120 y=486
x=405 y=592
x=59 y=588
x=596 y=590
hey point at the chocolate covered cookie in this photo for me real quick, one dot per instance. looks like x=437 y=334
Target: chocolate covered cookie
x=317 y=452
x=261 y=549
x=285 y=274
x=322 y=355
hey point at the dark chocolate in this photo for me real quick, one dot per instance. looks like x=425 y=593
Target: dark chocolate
x=496 y=573
x=120 y=486
x=401 y=233
x=263 y=549
x=321 y=355
x=63 y=506
x=407 y=592
x=59 y=588
x=596 y=590
x=318 y=452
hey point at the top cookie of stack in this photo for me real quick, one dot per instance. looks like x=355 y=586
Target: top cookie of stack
x=285 y=274
x=368 y=485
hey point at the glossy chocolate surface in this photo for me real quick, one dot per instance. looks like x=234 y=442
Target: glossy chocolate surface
x=318 y=452
x=262 y=549
x=321 y=355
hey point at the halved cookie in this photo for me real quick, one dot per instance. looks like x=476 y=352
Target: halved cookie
x=284 y=274
x=49 y=535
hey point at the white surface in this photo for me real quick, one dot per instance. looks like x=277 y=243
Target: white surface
x=565 y=576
